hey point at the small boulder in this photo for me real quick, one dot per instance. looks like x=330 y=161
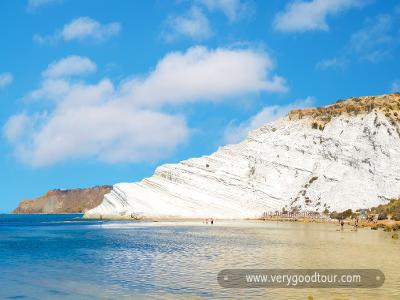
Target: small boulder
x=395 y=236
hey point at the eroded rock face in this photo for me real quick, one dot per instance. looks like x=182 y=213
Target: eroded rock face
x=352 y=161
x=64 y=201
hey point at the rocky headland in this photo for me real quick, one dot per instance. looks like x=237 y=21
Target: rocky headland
x=64 y=201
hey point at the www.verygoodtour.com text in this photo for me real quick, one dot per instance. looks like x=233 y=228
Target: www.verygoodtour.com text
x=301 y=278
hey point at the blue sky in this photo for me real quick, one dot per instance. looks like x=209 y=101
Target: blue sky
x=100 y=94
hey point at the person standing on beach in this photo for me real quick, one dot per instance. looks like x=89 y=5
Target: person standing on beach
x=356 y=223
x=341 y=224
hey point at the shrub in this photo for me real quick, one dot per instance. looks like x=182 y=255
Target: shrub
x=343 y=215
x=347 y=213
x=313 y=179
x=382 y=215
x=396 y=227
x=336 y=215
x=295 y=210
x=391 y=208
x=396 y=216
x=387 y=228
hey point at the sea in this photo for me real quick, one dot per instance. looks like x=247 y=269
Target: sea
x=67 y=257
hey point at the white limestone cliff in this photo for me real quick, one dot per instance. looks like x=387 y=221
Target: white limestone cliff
x=346 y=155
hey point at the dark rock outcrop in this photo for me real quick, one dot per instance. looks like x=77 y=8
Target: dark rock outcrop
x=64 y=201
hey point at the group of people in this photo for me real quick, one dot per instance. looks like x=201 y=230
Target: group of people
x=211 y=220
x=356 y=223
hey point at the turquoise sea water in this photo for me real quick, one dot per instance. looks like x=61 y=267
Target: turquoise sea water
x=65 y=257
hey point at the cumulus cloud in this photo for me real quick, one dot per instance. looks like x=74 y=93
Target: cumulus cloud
x=236 y=133
x=69 y=66
x=300 y=16
x=201 y=74
x=194 y=24
x=233 y=9
x=83 y=28
x=91 y=121
x=34 y=4
x=15 y=127
x=5 y=79
x=127 y=122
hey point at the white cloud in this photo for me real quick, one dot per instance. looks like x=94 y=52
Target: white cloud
x=194 y=24
x=300 y=16
x=87 y=28
x=15 y=127
x=233 y=9
x=374 y=42
x=5 y=79
x=34 y=4
x=128 y=122
x=201 y=74
x=70 y=66
x=46 y=39
x=335 y=63
x=51 y=89
x=83 y=28
x=395 y=88
x=91 y=121
x=236 y=133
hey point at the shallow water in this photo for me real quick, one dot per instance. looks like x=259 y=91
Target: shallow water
x=64 y=257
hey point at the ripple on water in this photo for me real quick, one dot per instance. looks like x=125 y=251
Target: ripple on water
x=180 y=260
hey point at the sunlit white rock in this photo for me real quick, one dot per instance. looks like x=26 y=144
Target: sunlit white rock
x=353 y=163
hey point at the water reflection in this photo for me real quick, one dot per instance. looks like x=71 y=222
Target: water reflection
x=181 y=260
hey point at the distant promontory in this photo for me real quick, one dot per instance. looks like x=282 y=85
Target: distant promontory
x=64 y=201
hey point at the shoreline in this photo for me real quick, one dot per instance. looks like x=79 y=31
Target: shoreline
x=387 y=225
x=390 y=226
x=349 y=222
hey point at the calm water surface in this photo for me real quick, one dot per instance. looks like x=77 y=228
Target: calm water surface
x=64 y=257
